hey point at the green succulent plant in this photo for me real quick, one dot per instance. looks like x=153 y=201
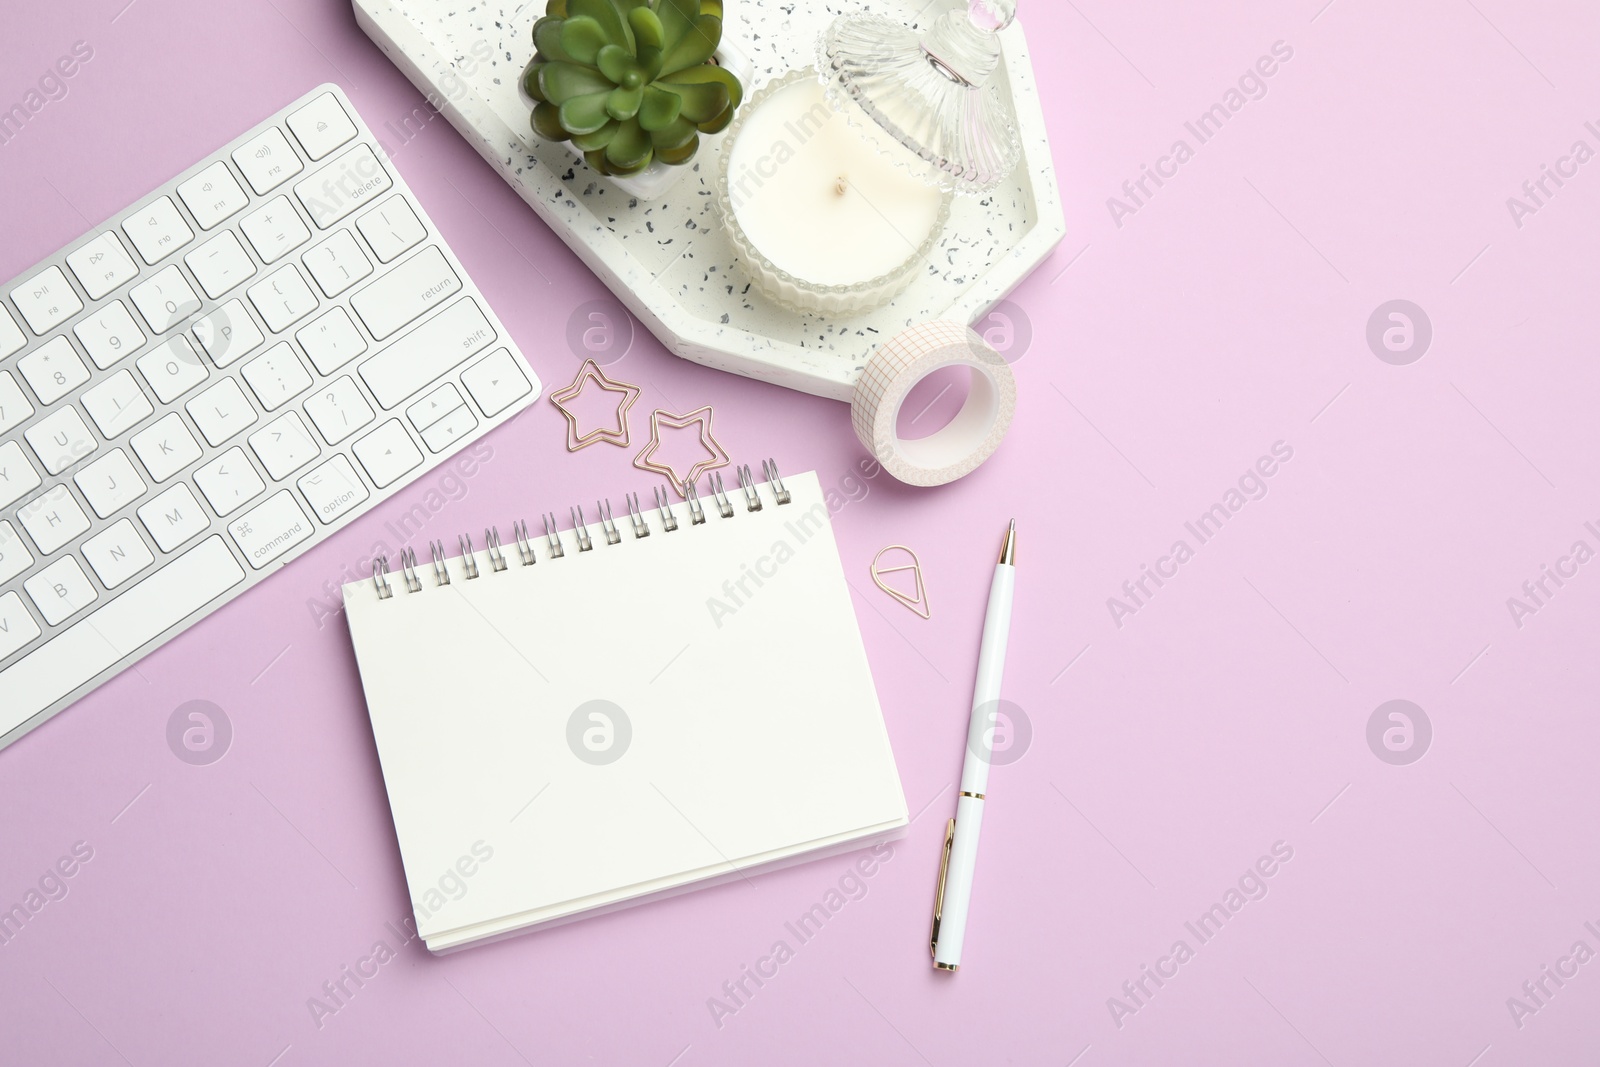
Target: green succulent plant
x=628 y=81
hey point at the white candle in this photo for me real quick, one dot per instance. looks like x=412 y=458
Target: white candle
x=817 y=195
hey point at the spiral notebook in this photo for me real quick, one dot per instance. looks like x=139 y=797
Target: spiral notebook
x=578 y=720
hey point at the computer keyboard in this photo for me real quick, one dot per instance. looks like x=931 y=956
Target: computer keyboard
x=215 y=380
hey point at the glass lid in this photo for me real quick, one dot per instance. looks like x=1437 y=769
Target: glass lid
x=933 y=90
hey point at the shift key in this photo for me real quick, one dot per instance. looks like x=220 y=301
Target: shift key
x=437 y=346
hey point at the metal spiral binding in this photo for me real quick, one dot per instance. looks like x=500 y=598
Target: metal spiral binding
x=697 y=514
x=497 y=558
x=519 y=530
x=752 y=500
x=408 y=568
x=638 y=518
x=553 y=536
x=580 y=529
x=469 y=562
x=720 y=495
x=607 y=523
x=380 y=577
x=770 y=469
x=441 y=573
x=669 y=521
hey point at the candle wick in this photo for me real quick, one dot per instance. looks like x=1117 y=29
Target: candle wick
x=841 y=185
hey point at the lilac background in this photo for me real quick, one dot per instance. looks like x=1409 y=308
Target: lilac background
x=1230 y=713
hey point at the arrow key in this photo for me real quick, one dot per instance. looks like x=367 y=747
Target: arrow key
x=435 y=406
x=388 y=453
x=447 y=434
x=496 y=382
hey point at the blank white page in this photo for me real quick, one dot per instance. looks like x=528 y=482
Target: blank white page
x=731 y=647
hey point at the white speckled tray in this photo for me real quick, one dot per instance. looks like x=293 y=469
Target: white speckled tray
x=667 y=259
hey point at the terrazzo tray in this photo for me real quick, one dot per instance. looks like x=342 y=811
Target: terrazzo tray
x=668 y=260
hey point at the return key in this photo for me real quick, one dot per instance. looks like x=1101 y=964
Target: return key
x=421 y=282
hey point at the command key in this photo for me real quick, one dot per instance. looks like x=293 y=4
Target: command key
x=269 y=530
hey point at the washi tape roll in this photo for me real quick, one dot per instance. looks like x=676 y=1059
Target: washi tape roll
x=969 y=438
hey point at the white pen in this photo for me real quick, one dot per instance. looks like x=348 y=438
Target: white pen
x=954 y=895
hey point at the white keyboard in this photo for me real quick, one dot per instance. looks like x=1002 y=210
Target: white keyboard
x=215 y=380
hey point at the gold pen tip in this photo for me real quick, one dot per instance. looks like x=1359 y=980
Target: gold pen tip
x=1008 y=547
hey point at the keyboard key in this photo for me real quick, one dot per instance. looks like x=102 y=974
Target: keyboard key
x=157 y=231
x=54 y=370
x=229 y=482
x=427 y=352
x=61 y=590
x=174 y=517
x=277 y=376
x=110 y=483
x=284 y=445
x=333 y=489
x=271 y=529
x=435 y=406
x=445 y=434
x=331 y=341
x=282 y=298
x=172 y=368
x=46 y=300
x=497 y=382
x=422 y=282
x=17 y=476
x=165 y=300
x=165 y=448
x=388 y=453
x=275 y=229
x=339 y=409
x=109 y=334
x=117 y=404
x=53 y=519
x=349 y=182
x=212 y=195
x=102 y=265
x=228 y=333
x=11 y=336
x=391 y=228
x=220 y=264
x=14 y=555
x=337 y=263
x=222 y=411
x=120 y=628
x=14 y=407
x=117 y=554
x=267 y=161
x=60 y=439
x=17 y=627
x=321 y=126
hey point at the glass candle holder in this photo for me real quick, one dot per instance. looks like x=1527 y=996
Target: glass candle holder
x=823 y=216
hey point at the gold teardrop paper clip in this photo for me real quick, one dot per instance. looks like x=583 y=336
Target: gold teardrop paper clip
x=919 y=603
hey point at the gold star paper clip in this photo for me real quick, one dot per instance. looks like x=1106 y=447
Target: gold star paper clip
x=591 y=372
x=716 y=456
